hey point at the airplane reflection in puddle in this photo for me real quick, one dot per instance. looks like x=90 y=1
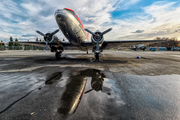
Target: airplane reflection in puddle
x=75 y=87
x=97 y=81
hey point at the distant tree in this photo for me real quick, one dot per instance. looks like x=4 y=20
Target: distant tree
x=11 y=39
x=11 y=42
x=16 y=44
x=1 y=44
x=170 y=42
x=16 y=40
x=36 y=38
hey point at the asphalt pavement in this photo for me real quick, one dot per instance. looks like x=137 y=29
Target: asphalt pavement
x=34 y=86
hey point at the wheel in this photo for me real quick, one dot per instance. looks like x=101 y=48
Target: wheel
x=58 y=55
x=87 y=52
x=97 y=56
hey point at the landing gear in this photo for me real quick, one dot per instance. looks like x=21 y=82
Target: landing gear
x=58 y=55
x=97 y=56
x=87 y=52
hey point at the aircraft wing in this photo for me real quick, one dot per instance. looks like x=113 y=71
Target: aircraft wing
x=36 y=43
x=123 y=43
x=66 y=45
x=116 y=44
x=89 y=45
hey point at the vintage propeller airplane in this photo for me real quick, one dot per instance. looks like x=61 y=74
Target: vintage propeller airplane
x=73 y=29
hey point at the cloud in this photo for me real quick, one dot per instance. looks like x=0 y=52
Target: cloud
x=90 y=18
x=9 y=8
x=28 y=35
x=23 y=23
x=124 y=5
x=138 y=31
x=21 y=19
x=178 y=30
x=158 y=19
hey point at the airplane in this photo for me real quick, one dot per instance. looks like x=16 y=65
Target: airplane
x=73 y=29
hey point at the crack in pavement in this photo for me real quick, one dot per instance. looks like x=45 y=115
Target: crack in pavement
x=9 y=106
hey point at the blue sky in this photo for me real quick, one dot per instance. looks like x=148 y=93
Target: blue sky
x=130 y=20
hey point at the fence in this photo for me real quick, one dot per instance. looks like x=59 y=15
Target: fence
x=22 y=48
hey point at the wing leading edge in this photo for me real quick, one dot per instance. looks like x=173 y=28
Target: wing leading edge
x=115 y=44
x=43 y=44
x=89 y=45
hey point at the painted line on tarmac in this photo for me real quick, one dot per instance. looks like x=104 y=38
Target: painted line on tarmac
x=176 y=55
x=29 y=69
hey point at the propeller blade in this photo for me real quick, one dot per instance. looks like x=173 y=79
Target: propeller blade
x=53 y=33
x=88 y=91
x=89 y=31
x=106 y=31
x=40 y=33
x=52 y=40
x=46 y=46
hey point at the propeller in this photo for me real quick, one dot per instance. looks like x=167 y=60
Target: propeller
x=97 y=37
x=48 y=37
x=40 y=32
x=89 y=31
x=46 y=46
x=88 y=91
x=53 y=33
x=106 y=31
x=102 y=33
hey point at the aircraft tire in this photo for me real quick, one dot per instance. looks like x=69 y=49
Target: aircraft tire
x=58 y=55
x=97 y=56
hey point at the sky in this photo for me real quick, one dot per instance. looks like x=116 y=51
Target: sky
x=130 y=19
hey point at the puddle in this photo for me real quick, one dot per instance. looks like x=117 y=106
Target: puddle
x=80 y=93
x=83 y=86
x=93 y=94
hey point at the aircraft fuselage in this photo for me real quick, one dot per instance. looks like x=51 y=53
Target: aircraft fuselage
x=71 y=27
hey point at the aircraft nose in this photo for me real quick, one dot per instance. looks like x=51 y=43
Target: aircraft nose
x=59 y=12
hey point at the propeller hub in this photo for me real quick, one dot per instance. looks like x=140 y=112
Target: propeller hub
x=47 y=37
x=98 y=36
x=97 y=85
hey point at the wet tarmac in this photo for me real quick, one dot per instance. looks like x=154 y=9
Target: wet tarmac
x=33 y=86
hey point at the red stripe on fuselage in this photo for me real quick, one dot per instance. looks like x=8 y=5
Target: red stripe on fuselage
x=79 y=22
